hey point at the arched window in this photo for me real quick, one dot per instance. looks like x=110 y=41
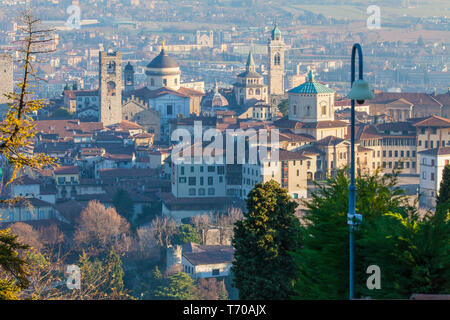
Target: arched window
x=250 y=91
x=111 y=68
x=111 y=85
x=258 y=92
x=277 y=59
x=324 y=109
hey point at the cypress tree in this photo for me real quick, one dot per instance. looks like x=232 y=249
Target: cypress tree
x=263 y=267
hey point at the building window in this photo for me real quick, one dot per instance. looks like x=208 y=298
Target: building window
x=432 y=176
x=182 y=180
x=295 y=110
x=215 y=272
x=152 y=82
x=424 y=175
x=192 y=191
x=201 y=191
x=210 y=181
x=324 y=110
x=211 y=168
x=169 y=109
x=165 y=82
x=111 y=67
x=192 y=181
x=211 y=191
x=277 y=59
x=182 y=170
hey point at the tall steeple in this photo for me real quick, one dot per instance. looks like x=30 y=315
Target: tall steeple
x=276 y=64
x=250 y=66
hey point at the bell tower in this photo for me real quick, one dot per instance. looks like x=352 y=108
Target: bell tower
x=128 y=75
x=276 y=62
x=110 y=87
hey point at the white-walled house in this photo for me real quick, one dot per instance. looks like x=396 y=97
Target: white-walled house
x=27 y=187
x=30 y=209
x=432 y=163
x=202 y=261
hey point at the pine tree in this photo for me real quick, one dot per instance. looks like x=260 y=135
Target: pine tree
x=412 y=252
x=113 y=264
x=13 y=268
x=263 y=267
x=443 y=199
x=179 y=286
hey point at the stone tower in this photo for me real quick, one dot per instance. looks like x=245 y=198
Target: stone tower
x=6 y=76
x=128 y=75
x=110 y=87
x=276 y=63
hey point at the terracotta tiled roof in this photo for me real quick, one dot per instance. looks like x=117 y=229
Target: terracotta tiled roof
x=436 y=151
x=67 y=128
x=25 y=180
x=329 y=141
x=434 y=121
x=66 y=170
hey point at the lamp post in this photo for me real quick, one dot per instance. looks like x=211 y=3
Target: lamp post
x=360 y=91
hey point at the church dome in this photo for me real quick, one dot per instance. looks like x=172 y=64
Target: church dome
x=163 y=61
x=219 y=100
x=276 y=33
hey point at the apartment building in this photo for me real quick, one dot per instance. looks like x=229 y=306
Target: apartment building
x=289 y=170
x=398 y=146
x=432 y=163
x=432 y=132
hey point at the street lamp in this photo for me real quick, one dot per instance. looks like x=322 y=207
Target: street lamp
x=360 y=91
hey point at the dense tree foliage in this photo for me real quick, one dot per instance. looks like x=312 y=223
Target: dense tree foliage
x=179 y=286
x=124 y=204
x=443 y=199
x=263 y=267
x=13 y=268
x=410 y=250
x=185 y=233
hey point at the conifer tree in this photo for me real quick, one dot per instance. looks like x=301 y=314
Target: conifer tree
x=263 y=267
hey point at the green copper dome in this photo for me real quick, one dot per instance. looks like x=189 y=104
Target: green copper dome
x=276 y=33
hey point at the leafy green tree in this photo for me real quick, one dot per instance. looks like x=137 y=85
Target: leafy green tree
x=185 y=233
x=391 y=235
x=263 y=267
x=283 y=106
x=124 y=204
x=101 y=279
x=13 y=268
x=61 y=113
x=113 y=265
x=179 y=286
x=412 y=254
